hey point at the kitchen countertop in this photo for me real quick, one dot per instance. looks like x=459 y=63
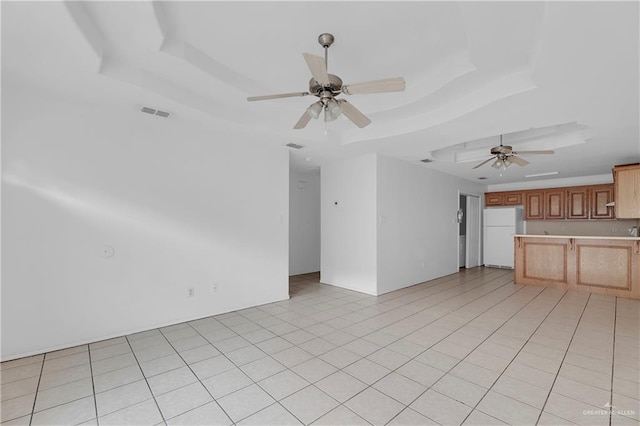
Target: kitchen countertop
x=582 y=237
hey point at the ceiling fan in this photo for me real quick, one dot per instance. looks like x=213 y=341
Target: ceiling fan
x=327 y=86
x=505 y=155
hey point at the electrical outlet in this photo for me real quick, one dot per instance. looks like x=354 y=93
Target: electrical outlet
x=192 y=292
x=214 y=287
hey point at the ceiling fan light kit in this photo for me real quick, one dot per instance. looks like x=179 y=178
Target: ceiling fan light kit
x=327 y=86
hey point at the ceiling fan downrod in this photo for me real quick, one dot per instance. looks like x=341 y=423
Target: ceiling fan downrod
x=326 y=40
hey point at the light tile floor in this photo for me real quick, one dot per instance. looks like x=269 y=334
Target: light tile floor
x=469 y=348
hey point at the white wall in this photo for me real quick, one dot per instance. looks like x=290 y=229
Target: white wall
x=348 y=235
x=304 y=223
x=181 y=205
x=394 y=225
x=417 y=232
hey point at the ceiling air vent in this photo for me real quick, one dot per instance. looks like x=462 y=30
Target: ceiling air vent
x=157 y=112
x=294 y=145
x=427 y=160
x=482 y=178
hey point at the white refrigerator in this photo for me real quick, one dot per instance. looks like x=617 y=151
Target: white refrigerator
x=499 y=226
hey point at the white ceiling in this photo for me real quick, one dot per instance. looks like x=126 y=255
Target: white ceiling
x=546 y=75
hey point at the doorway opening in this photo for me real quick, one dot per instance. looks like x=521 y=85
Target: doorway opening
x=468 y=231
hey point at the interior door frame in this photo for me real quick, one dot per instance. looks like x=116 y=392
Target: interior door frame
x=478 y=221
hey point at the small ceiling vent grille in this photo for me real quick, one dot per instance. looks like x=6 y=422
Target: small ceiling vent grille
x=157 y=112
x=294 y=145
x=482 y=178
x=427 y=160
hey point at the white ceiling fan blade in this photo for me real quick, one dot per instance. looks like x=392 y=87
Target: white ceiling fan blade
x=535 y=152
x=304 y=120
x=353 y=114
x=483 y=163
x=318 y=68
x=375 y=86
x=277 y=96
x=519 y=161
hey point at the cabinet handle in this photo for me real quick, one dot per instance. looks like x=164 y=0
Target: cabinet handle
x=518 y=242
x=571 y=244
x=636 y=248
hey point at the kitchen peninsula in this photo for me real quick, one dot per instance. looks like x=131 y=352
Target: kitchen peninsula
x=602 y=265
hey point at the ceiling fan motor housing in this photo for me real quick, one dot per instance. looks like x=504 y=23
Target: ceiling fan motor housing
x=335 y=86
x=502 y=149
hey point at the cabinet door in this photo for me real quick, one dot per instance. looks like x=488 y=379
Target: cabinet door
x=627 y=191
x=599 y=198
x=513 y=199
x=578 y=203
x=493 y=199
x=534 y=205
x=554 y=204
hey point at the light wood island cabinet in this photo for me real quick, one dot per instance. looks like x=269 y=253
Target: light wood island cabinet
x=603 y=265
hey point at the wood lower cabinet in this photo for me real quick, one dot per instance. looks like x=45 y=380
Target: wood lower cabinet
x=534 y=205
x=600 y=265
x=554 y=204
x=542 y=260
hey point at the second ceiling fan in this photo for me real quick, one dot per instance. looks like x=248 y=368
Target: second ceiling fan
x=327 y=86
x=504 y=155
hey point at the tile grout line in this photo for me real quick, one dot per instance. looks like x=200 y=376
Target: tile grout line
x=93 y=385
x=145 y=380
x=563 y=358
x=35 y=397
x=613 y=357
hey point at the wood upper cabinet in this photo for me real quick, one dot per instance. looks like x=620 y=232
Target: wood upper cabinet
x=578 y=202
x=534 y=205
x=554 y=204
x=512 y=198
x=567 y=203
x=493 y=199
x=626 y=181
x=599 y=197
